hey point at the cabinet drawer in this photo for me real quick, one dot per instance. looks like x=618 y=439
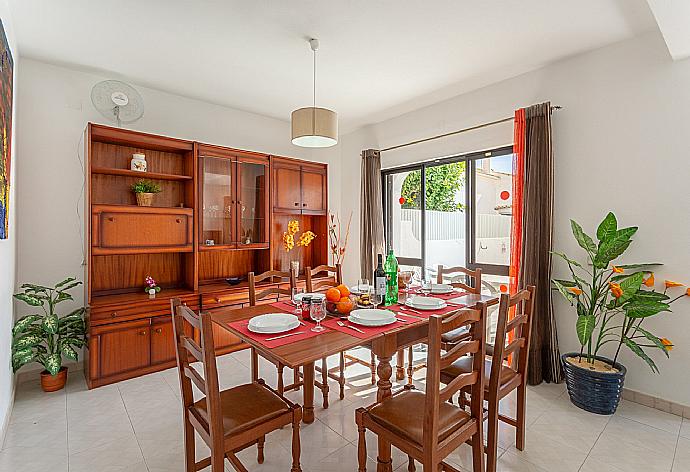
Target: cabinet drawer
x=224 y=299
x=126 y=230
x=115 y=313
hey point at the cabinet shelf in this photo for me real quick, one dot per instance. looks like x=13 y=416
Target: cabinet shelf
x=143 y=175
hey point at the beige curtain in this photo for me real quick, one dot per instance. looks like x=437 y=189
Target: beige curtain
x=537 y=230
x=371 y=213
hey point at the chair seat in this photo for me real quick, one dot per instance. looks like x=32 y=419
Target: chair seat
x=464 y=365
x=403 y=414
x=244 y=407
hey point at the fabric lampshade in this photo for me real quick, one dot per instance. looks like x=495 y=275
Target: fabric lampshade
x=314 y=127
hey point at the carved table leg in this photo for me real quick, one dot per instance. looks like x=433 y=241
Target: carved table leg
x=400 y=365
x=308 y=392
x=384 y=371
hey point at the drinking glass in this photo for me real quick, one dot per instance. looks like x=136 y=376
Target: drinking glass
x=425 y=289
x=317 y=312
x=376 y=298
x=406 y=278
x=296 y=300
x=363 y=286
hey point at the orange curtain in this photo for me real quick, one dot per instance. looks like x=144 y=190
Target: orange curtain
x=518 y=184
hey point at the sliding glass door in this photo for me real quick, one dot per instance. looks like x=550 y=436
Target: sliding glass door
x=455 y=212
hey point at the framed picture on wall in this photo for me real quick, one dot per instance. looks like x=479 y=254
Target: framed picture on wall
x=6 y=71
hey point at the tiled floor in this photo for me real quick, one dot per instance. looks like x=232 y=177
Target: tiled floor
x=135 y=426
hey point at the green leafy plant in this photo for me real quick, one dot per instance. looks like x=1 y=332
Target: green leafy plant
x=46 y=337
x=145 y=186
x=442 y=184
x=613 y=302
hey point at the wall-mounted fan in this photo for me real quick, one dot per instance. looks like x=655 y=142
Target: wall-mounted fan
x=117 y=100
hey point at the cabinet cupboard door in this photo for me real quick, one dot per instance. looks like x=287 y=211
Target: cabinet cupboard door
x=313 y=191
x=162 y=340
x=287 y=188
x=124 y=347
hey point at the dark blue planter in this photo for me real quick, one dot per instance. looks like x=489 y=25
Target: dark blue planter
x=596 y=392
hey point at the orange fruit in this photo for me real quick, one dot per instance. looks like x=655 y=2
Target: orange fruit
x=333 y=295
x=345 y=305
x=344 y=291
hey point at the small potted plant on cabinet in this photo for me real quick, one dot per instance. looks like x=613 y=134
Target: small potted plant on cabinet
x=46 y=337
x=612 y=303
x=144 y=191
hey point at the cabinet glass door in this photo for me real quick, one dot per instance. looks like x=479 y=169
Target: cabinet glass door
x=218 y=202
x=252 y=204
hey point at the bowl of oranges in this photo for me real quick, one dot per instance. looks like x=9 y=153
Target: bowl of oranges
x=339 y=301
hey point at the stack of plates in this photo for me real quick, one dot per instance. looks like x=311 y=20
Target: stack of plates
x=426 y=303
x=372 y=317
x=439 y=288
x=273 y=323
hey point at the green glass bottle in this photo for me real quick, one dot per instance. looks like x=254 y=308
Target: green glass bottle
x=391 y=269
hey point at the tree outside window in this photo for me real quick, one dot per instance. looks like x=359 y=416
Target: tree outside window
x=442 y=184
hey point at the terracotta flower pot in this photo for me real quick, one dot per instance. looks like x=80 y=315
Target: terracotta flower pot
x=144 y=199
x=53 y=383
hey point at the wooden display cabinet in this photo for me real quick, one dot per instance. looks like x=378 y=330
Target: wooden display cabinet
x=239 y=199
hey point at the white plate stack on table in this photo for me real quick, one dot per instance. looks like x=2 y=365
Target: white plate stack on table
x=426 y=303
x=372 y=317
x=438 y=289
x=271 y=323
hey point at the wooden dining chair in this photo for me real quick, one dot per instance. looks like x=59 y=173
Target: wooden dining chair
x=334 y=277
x=453 y=337
x=271 y=293
x=227 y=421
x=505 y=371
x=426 y=426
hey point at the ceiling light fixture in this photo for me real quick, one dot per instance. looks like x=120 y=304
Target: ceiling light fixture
x=312 y=126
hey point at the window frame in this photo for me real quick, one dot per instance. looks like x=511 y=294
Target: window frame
x=470 y=215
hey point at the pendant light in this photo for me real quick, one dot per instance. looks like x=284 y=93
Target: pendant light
x=313 y=126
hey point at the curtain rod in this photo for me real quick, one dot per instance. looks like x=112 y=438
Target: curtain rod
x=471 y=128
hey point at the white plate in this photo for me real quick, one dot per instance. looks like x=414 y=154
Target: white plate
x=372 y=317
x=360 y=289
x=298 y=297
x=426 y=303
x=273 y=323
x=372 y=314
x=440 y=288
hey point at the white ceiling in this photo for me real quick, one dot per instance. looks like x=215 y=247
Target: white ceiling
x=378 y=59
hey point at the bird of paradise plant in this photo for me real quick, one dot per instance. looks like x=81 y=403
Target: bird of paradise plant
x=613 y=301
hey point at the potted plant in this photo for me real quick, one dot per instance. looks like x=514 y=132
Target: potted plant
x=144 y=190
x=46 y=337
x=612 y=303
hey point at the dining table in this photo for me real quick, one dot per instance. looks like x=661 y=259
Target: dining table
x=303 y=353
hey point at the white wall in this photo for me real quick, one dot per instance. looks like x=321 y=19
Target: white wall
x=620 y=144
x=7 y=254
x=55 y=105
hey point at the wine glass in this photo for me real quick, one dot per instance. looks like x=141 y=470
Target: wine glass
x=297 y=300
x=375 y=297
x=363 y=286
x=317 y=311
x=425 y=288
x=406 y=279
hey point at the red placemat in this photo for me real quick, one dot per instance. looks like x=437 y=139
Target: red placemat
x=285 y=306
x=443 y=296
x=368 y=331
x=424 y=313
x=304 y=330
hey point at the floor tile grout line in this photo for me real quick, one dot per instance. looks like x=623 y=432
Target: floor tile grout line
x=675 y=451
x=595 y=443
x=136 y=438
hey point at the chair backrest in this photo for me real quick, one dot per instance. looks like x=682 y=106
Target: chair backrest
x=254 y=279
x=188 y=351
x=475 y=320
x=475 y=275
x=334 y=274
x=517 y=331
